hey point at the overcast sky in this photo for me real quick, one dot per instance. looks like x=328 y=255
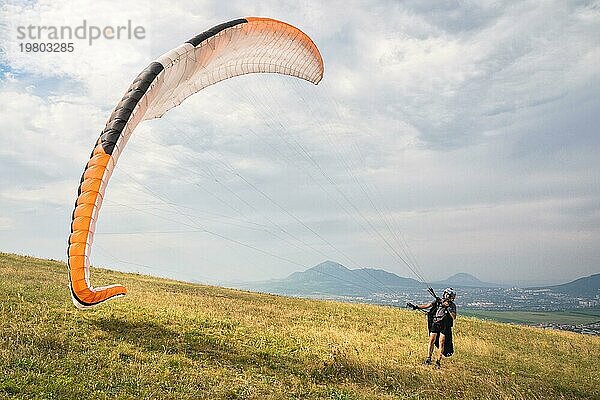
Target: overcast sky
x=465 y=133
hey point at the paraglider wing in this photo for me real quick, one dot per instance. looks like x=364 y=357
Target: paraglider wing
x=238 y=47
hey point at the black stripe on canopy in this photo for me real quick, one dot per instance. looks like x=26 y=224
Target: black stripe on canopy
x=196 y=40
x=122 y=112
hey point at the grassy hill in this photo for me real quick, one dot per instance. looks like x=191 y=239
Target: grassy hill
x=176 y=340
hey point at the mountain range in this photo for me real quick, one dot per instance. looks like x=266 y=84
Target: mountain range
x=330 y=278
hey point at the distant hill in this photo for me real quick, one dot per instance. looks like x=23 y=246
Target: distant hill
x=587 y=286
x=465 y=280
x=330 y=270
x=333 y=279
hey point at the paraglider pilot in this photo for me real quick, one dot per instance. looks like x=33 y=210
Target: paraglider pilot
x=440 y=319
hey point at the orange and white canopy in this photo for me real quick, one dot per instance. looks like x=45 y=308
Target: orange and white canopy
x=238 y=47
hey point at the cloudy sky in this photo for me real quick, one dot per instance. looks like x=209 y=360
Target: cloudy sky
x=461 y=135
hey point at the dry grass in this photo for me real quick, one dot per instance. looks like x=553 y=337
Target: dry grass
x=177 y=340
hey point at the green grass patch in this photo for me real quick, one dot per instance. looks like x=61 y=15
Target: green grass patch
x=574 y=317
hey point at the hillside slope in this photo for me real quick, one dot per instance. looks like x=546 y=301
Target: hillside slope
x=586 y=286
x=176 y=340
